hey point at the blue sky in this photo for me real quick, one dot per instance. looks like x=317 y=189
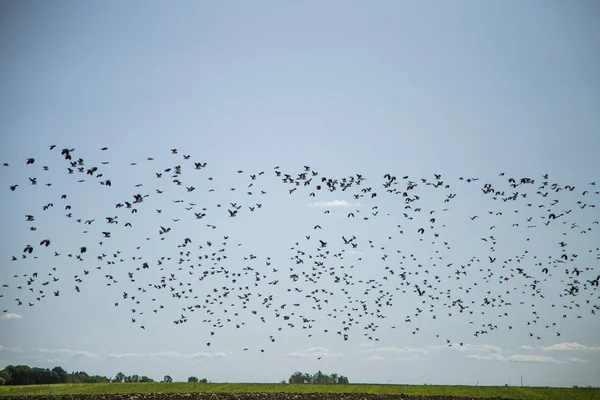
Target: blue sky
x=408 y=88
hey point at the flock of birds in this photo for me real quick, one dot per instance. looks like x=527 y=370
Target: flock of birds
x=407 y=272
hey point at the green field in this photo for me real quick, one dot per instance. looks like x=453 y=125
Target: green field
x=533 y=393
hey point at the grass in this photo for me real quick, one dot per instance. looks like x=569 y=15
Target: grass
x=508 y=392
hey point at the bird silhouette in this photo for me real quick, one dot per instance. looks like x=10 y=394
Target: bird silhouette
x=153 y=255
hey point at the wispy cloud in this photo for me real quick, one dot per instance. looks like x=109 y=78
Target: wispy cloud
x=314 y=352
x=123 y=355
x=410 y=358
x=576 y=359
x=11 y=349
x=67 y=352
x=468 y=348
x=334 y=203
x=12 y=316
x=483 y=347
x=166 y=355
x=63 y=352
x=531 y=358
x=573 y=346
x=376 y=359
x=429 y=349
x=494 y=357
x=525 y=358
x=397 y=350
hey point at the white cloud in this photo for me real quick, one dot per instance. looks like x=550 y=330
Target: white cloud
x=486 y=347
x=68 y=352
x=12 y=316
x=314 y=352
x=376 y=359
x=166 y=354
x=334 y=203
x=523 y=358
x=82 y=353
x=531 y=358
x=492 y=357
x=468 y=347
x=573 y=346
x=208 y=355
x=367 y=344
x=526 y=348
x=61 y=352
x=11 y=349
x=123 y=355
x=425 y=350
x=410 y=358
x=53 y=360
x=397 y=350
x=576 y=359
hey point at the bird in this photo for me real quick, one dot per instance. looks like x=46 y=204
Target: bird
x=198 y=275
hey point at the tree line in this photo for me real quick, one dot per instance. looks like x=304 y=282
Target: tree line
x=26 y=375
x=319 y=377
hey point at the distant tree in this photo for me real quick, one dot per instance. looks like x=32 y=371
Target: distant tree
x=318 y=378
x=60 y=374
x=203 y=380
x=4 y=375
x=146 y=379
x=97 y=379
x=19 y=375
x=78 y=377
x=120 y=377
x=135 y=378
x=83 y=377
x=167 y=378
x=193 y=379
x=297 y=377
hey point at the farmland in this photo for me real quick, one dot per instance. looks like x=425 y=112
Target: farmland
x=259 y=391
